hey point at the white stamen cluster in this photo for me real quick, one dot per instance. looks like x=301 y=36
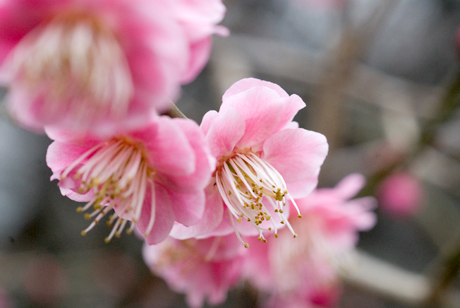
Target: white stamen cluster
x=75 y=65
x=118 y=174
x=243 y=181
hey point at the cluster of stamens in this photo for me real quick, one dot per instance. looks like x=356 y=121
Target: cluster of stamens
x=248 y=184
x=74 y=64
x=118 y=174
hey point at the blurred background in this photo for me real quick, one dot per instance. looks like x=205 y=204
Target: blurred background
x=381 y=80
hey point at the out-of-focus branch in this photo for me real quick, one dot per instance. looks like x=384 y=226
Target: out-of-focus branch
x=330 y=93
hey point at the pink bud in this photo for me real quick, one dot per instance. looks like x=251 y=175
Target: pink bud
x=400 y=195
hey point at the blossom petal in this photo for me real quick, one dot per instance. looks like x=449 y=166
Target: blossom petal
x=208 y=118
x=212 y=217
x=189 y=207
x=261 y=110
x=350 y=185
x=164 y=216
x=303 y=187
x=60 y=155
x=225 y=132
x=248 y=83
x=170 y=151
x=246 y=89
x=204 y=163
x=295 y=153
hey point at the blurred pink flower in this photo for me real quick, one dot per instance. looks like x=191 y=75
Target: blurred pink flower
x=83 y=64
x=202 y=269
x=151 y=177
x=305 y=269
x=263 y=160
x=400 y=195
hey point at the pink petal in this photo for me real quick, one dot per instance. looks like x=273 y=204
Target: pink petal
x=303 y=187
x=170 y=151
x=295 y=153
x=208 y=118
x=224 y=133
x=164 y=216
x=248 y=83
x=350 y=185
x=261 y=109
x=204 y=162
x=60 y=155
x=188 y=207
x=200 y=52
x=212 y=217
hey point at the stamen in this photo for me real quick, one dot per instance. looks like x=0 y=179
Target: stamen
x=243 y=181
x=118 y=175
x=237 y=233
x=76 y=65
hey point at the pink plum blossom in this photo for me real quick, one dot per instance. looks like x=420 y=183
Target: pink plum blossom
x=305 y=269
x=400 y=195
x=152 y=177
x=205 y=268
x=263 y=160
x=98 y=65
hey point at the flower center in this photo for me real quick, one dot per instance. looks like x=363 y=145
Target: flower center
x=74 y=64
x=117 y=173
x=249 y=185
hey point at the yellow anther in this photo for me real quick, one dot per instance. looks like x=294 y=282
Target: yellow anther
x=107 y=240
x=83 y=233
x=276 y=235
x=300 y=216
x=295 y=235
x=264 y=240
x=87 y=216
x=246 y=245
x=79 y=209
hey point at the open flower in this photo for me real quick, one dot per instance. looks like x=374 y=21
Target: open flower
x=202 y=269
x=151 y=177
x=82 y=64
x=263 y=161
x=306 y=270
